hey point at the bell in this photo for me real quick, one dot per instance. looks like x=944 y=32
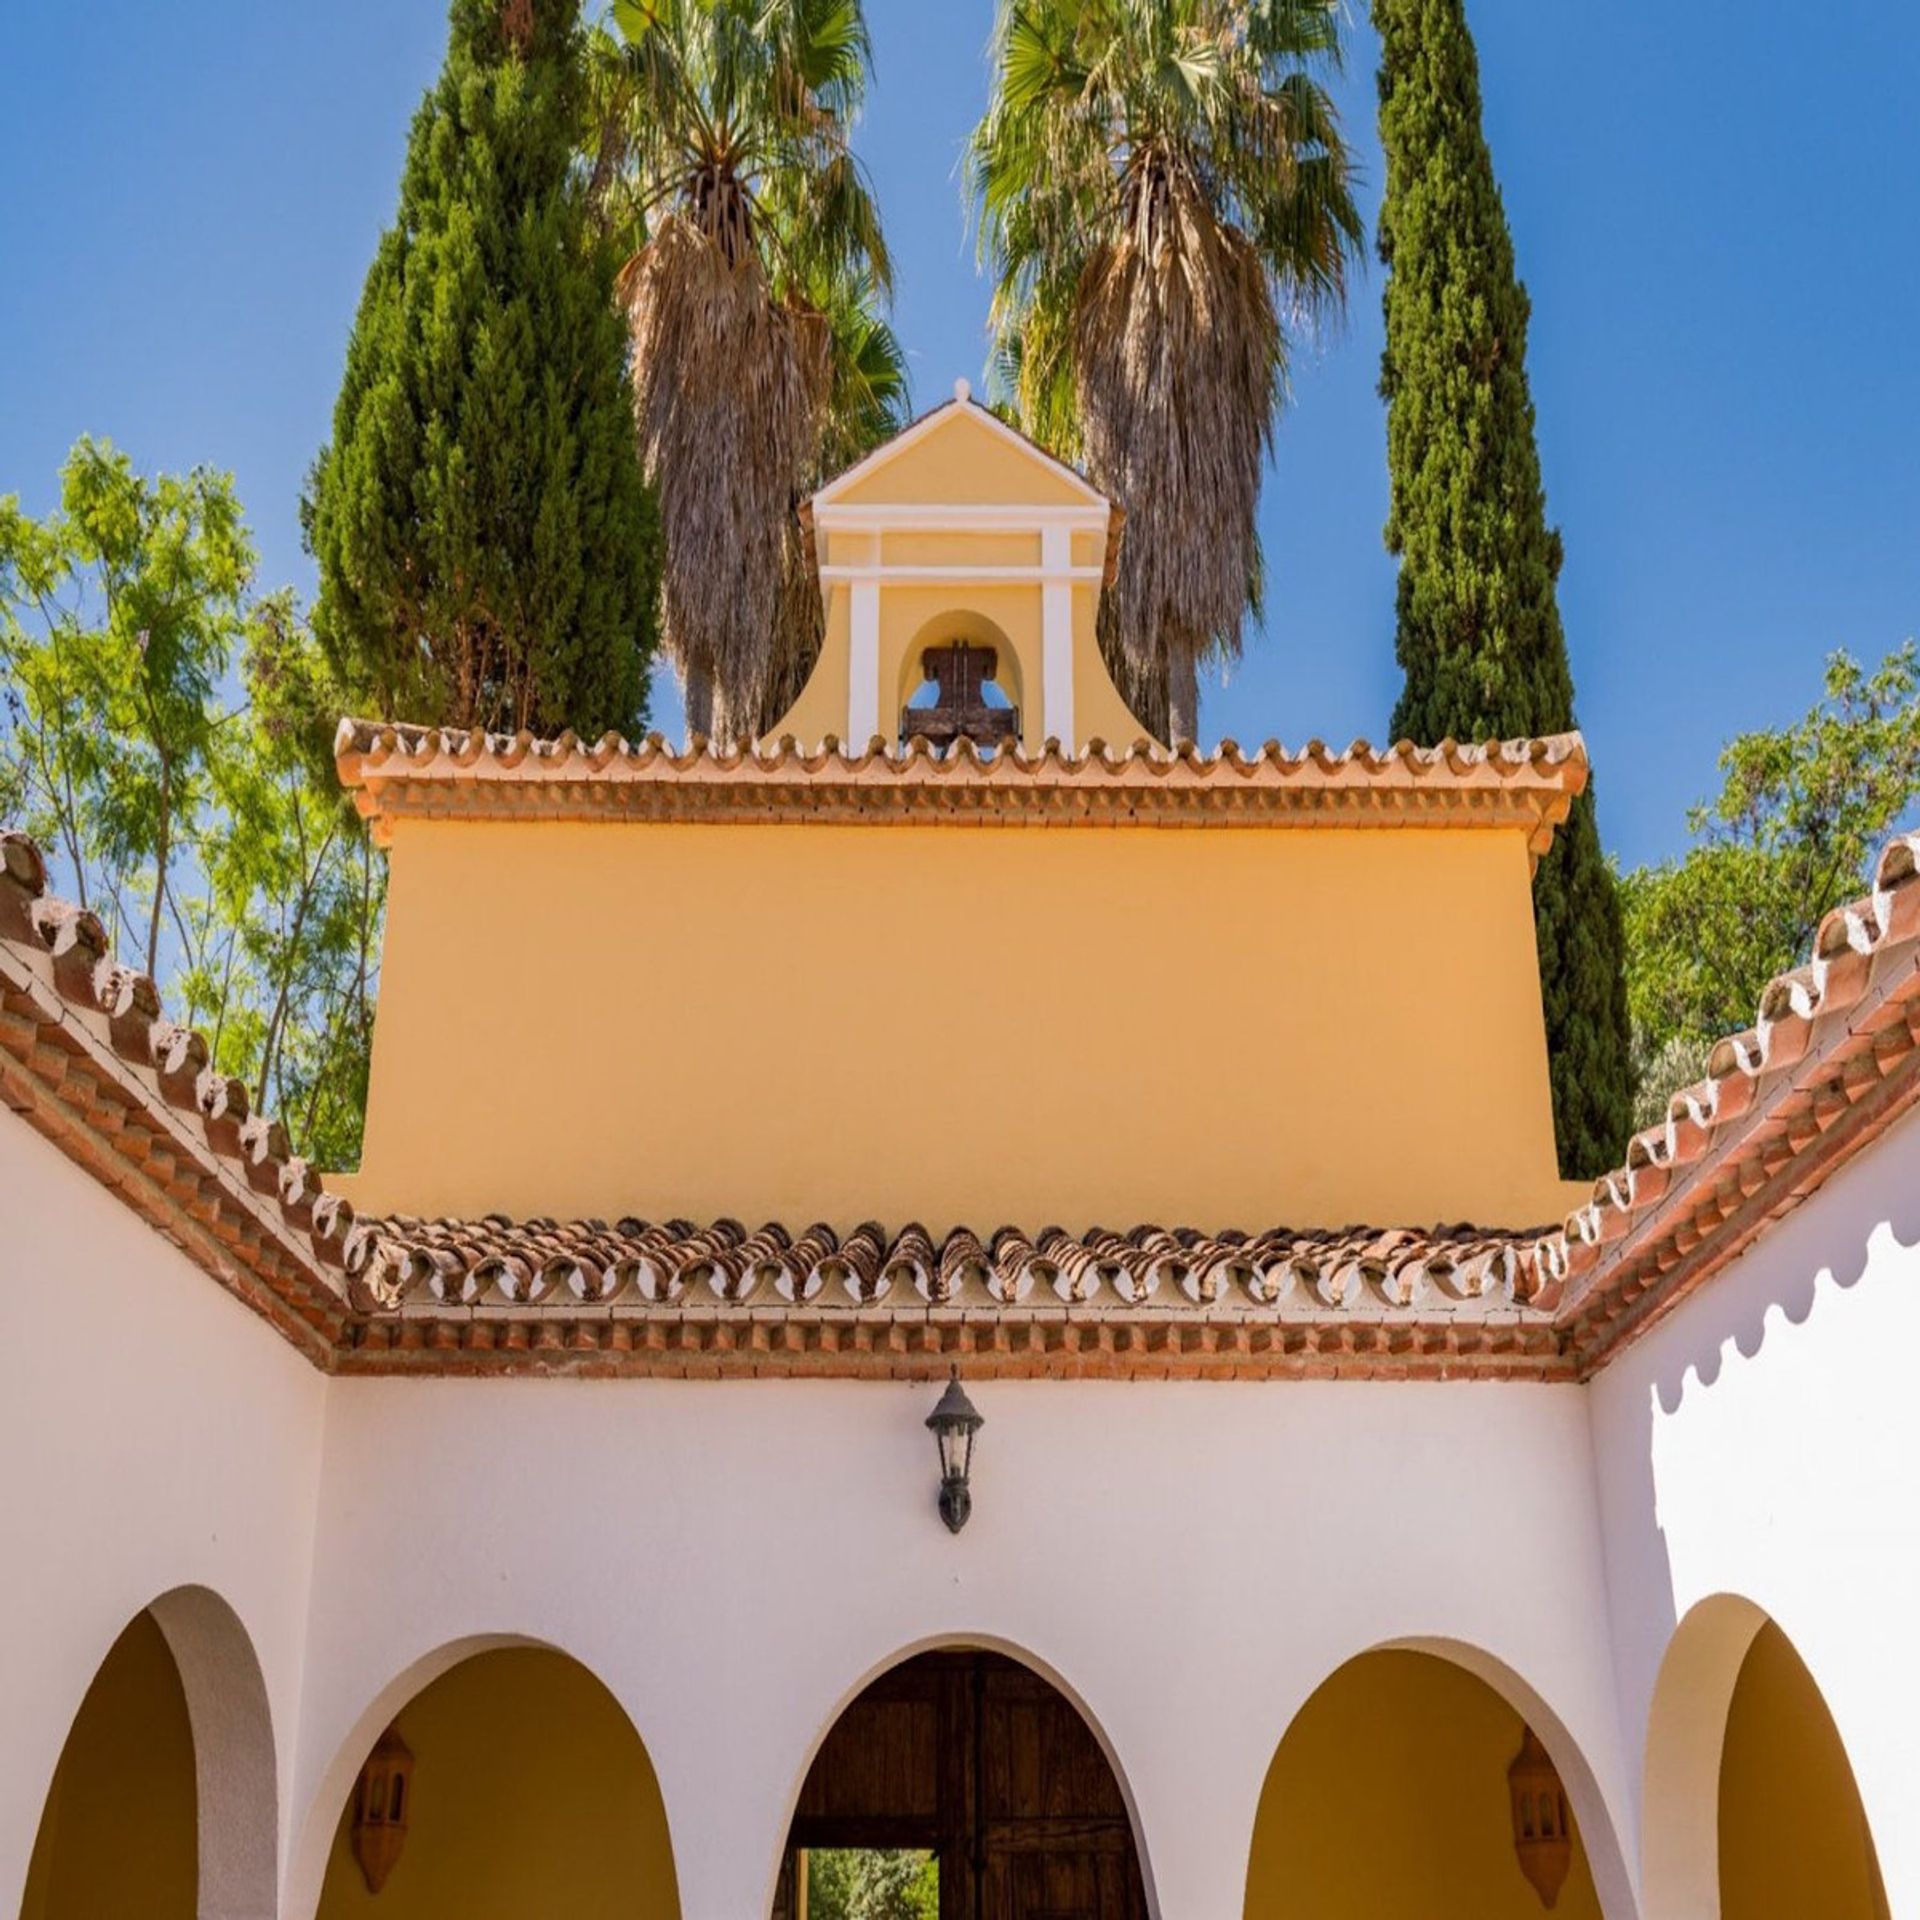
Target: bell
x=1542 y=1825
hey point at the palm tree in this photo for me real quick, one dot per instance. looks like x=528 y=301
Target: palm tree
x=1162 y=190
x=866 y=404
x=719 y=143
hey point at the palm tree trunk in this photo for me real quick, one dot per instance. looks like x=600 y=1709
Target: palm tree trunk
x=698 y=694
x=1183 y=694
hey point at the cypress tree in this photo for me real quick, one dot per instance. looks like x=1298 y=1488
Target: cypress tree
x=1478 y=631
x=487 y=546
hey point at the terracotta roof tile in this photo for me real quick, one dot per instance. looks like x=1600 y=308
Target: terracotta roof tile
x=88 y=1057
x=397 y=772
x=401 y=1264
x=1832 y=1058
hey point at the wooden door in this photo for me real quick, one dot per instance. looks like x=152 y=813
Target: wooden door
x=985 y=1763
x=1055 y=1841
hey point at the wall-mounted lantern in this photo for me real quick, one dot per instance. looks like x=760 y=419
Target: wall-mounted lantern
x=382 y=1803
x=954 y=1422
x=1542 y=1825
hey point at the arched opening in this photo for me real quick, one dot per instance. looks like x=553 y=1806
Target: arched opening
x=118 y=1833
x=967 y=1787
x=960 y=679
x=512 y=1784
x=164 y=1799
x=1408 y=1788
x=1751 y=1805
x=1793 y=1834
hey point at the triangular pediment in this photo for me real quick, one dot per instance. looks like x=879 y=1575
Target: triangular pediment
x=960 y=455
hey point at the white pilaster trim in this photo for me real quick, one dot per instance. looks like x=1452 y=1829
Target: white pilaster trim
x=1056 y=632
x=863 y=661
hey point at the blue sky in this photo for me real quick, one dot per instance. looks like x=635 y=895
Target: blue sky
x=1715 y=207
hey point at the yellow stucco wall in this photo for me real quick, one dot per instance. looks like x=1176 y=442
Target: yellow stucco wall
x=1221 y=1027
x=1793 y=1836
x=971 y=548
x=1387 y=1800
x=821 y=709
x=532 y=1795
x=117 y=1836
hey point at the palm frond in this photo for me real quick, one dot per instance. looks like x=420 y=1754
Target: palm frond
x=1162 y=191
x=752 y=219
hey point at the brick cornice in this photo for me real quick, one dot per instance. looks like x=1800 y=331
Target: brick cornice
x=402 y=772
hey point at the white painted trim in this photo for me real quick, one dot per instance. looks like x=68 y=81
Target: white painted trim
x=926 y=424
x=863 y=662
x=970 y=517
x=1056 y=634
x=864 y=573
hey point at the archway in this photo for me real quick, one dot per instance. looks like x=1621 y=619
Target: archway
x=523 y=1788
x=1408 y=1788
x=118 y=1832
x=164 y=1801
x=1751 y=1805
x=960 y=673
x=970 y=1761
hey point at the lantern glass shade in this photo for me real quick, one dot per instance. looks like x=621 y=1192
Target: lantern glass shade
x=956 y=1451
x=382 y=1801
x=953 y=1423
x=1542 y=1821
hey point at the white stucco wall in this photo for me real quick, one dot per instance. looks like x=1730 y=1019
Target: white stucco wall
x=1762 y=1443
x=734 y=1560
x=158 y=1436
x=1189 y=1560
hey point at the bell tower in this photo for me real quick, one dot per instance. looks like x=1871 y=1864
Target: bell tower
x=961 y=557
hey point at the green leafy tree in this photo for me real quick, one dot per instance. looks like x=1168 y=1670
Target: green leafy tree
x=1792 y=834
x=1162 y=186
x=200 y=820
x=118 y=616
x=722 y=136
x=294 y=900
x=867 y=1883
x=1479 y=633
x=486 y=542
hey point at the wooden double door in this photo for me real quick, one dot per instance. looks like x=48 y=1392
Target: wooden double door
x=985 y=1763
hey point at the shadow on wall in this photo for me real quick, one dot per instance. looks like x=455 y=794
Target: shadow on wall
x=1795 y=1266
x=1728 y=1491
x=1805 y=1262
x=529 y=1792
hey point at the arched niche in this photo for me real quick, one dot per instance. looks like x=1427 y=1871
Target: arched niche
x=963 y=626
x=163 y=1802
x=1751 y=1808
x=1392 y=1796
x=527 y=1790
x=974 y=1753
